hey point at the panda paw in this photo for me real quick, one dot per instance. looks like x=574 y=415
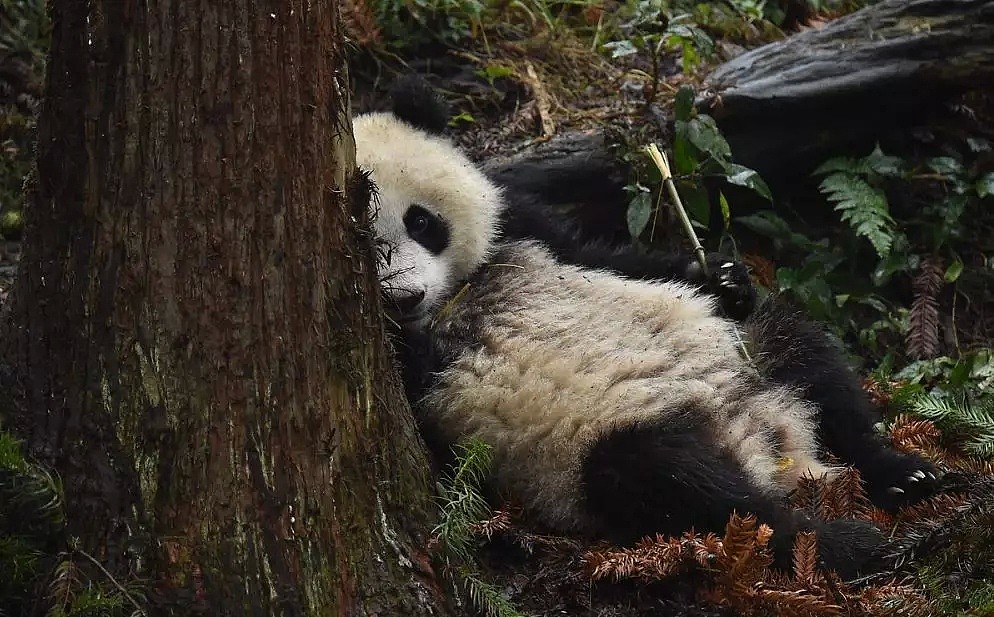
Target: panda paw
x=729 y=281
x=903 y=480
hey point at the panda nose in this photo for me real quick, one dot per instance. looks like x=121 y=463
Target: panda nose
x=409 y=301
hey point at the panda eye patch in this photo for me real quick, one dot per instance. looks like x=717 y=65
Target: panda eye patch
x=427 y=229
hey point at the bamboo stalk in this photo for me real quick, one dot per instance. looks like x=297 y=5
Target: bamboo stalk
x=661 y=162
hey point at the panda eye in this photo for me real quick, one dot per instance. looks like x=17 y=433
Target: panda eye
x=427 y=229
x=419 y=225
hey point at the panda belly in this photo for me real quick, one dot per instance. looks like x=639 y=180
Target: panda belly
x=546 y=359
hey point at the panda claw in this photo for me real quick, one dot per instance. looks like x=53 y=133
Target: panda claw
x=919 y=475
x=931 y=476
x=727 y=265
x=896 y=490
x=913 y=478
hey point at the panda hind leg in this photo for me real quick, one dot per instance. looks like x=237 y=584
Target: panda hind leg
x=671 y=477
x=793 y=351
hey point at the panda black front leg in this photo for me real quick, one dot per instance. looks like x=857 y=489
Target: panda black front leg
x=669 y=477
x=728 y=280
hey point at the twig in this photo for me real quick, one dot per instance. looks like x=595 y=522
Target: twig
x=113 y=580
x=543 y=104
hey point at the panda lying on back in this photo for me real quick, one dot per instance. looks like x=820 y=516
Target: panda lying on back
x=616 y=407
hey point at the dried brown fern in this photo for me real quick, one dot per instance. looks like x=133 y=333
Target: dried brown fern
x=745 y=556
x=937 y=507
x=763 y=270
x=653 y=559
x=910 y=434
x=879 y=392
x=893 y=600
x=923 y=332
x=845 y=496
x=500 y=522
x=841 y=497
x=809 y=496
x=806 y=558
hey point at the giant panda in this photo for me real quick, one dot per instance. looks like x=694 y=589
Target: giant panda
x=610 y=383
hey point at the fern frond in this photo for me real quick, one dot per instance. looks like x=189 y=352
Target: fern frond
x=909 y=434
x=463 y=506
x=486 y=597
x=973 y=423
x=805 y=557
x=875 y=163
x=864 y=207
x=923 y=331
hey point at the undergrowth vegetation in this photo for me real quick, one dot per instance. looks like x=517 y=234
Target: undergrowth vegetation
x=42 y=571
x=24 y=35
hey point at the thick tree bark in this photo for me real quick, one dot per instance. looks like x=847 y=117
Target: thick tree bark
x=196 y=322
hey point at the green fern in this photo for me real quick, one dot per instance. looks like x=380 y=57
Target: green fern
x=863 y=207
x=850 y=184
x=463 y=505
x=486 y=597
x=971 y=422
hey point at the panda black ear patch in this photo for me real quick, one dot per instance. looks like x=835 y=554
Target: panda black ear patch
x=417 y=103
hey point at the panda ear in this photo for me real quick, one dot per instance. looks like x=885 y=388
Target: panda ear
x=417 y=103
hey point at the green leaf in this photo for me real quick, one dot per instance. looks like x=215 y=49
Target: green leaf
x=882 y=164
x=703 y=133
x=978 y=144
x=839 y=163
x=689 y=58
x=749 y=178
x=898 y=260
x=620 y=49
x=954 y=271
x=493 y=72
x=639 y=213
x=945 y=166
x=863 y=207
x=985 y=185
x=462 y=117
x=726 y=212
x=683 y=105
x=695 y=200
x=771 y=225
x=874 y=164
x=684 y=156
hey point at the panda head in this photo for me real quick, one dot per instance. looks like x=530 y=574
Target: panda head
x=437 y=213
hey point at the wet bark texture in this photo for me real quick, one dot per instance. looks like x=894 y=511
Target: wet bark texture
x=196 y=323
x=787 y=106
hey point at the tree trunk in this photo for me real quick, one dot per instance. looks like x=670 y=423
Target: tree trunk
x=197 y=326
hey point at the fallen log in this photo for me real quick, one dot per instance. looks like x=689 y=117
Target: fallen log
x=576 y=173
x=789 y=105
x=569 y=167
